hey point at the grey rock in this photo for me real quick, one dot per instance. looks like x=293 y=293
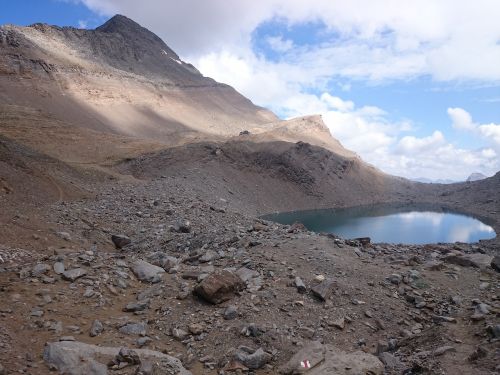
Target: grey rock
x=338 y=323
x=209 y=256
x=74 y=274
x=134 y=329
x=143 y=341
x=395 y=278
x=299 y=284
x=76 y=358
x=163 y=260
x=89 y=292
x=127 y=356
x=328 y=360
x=324 y=290
x=196 y=329
x=179 y=334
x=246 y=274
x=37 y=312
x=390 y=361
x=253 y=359
x=252 y=330
x=96 y=329
x=120 y=240
x=136 y=306
x=313 y=352
x=152 y=291
x=64 y=235
x=181 y=226
x=159 y=367
x=40 y=269
x=148 y=272
x=59 y=268
x=476 y=260
x=3 y=371
x=434 y=265
x=231 y=313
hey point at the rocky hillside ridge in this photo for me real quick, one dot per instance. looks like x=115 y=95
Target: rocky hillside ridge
x=118 y=78
x=310 y=129
x=272 y=176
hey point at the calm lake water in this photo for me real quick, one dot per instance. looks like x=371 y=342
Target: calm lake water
x=391 y=224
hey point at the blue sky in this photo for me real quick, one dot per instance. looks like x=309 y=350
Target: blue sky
x=414 y=88
x=54 y=12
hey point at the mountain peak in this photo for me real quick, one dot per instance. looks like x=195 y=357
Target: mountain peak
x=119 y=23
x=476 y=176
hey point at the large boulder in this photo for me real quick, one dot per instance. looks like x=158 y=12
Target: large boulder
x=78 y=358
x=476 y=260
x=74 y=274
x=324 y=290
x=219 y=287
x=120 y=240
x=318 y=359
x=253 y=359
x=148 y=272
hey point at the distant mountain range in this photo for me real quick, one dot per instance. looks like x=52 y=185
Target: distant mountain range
x=476 y=176
x=430 y=181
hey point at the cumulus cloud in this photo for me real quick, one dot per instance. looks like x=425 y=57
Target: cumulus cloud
x=380 y=40
x=412 y=145
x=387 y=145
x=490 y=131
x=461 y=119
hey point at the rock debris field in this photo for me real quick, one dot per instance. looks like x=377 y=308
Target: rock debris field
x=150 y=279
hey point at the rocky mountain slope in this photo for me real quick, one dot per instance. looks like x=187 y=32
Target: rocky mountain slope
x=119 y=78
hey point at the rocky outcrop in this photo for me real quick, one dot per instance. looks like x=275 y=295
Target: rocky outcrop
x=148 y=272
x=77 y=358
x=318 y=359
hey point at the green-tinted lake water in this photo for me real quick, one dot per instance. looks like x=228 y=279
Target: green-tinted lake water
x=391 y=224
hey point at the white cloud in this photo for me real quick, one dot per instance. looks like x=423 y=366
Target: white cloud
x=383 y=143
x=82 y=24
x=337 y=103
x=488 y=153
x=461 y=119
x=490 y=131
x=413 y=145
x=379 y=39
